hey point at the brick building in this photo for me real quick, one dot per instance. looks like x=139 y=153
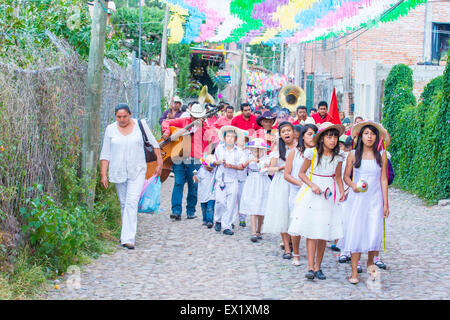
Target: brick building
x=358 y=64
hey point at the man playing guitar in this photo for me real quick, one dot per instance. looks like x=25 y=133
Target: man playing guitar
x=184 y=167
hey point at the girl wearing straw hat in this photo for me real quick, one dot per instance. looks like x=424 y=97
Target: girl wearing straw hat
x=315 y=216
x=367 y=204
x=293 y=164
x=230 y=160
x=254 y=194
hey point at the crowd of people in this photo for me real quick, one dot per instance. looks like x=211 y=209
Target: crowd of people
x=294 y=175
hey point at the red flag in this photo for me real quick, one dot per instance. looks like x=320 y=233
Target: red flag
x=334 y=110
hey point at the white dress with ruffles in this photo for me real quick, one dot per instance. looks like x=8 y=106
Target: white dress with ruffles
x=256 y=188
x=277 y=215
x=315 y=217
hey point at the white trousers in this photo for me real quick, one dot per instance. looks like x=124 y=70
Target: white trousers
x=226 y=201
x=129 y=193
x=239 y=195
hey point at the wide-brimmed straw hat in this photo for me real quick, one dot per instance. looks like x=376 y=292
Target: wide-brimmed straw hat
x=258 y=143
x=356 y=129
x=241 y=134
x=326 y=126
x=266 y=115
x=197 y=110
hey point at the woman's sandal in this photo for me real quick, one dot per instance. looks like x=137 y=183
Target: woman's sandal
x=353 y=280
x=296 y=262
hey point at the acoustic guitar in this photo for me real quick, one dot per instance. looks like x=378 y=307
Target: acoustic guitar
x=174 y=145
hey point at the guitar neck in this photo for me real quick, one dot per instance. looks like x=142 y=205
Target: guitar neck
x=189 y=126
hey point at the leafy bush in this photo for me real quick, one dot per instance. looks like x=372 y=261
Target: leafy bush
x=56 y=233
x=68 y=19
x=420 y=134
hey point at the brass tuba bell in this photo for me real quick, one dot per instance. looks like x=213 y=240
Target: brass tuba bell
x=291 y=97
x=205 y=97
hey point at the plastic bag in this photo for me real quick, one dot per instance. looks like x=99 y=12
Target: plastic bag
x=150 y=196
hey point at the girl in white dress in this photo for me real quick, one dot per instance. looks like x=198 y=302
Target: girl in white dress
x=366 y=210
x=314 y=215
x=293 y=164
x=277 y=217
x=256 y=188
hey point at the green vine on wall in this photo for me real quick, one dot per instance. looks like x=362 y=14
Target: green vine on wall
x=420 y=133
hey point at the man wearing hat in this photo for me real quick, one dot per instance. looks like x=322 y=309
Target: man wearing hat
x=174 y=111
x=266 y=121
x=184 y=169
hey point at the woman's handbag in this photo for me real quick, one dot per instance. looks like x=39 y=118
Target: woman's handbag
x=150 y=154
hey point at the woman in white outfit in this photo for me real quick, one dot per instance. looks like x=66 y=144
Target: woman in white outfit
x=293 y=164
x=122 y=162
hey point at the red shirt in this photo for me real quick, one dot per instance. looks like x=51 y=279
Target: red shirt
x=199 y=139
x=223 y=121
x=318 y=119
x=243 y=124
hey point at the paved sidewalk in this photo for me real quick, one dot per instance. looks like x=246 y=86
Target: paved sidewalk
x=185 y=260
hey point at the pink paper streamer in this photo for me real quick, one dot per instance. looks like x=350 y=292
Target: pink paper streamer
x=213 y=20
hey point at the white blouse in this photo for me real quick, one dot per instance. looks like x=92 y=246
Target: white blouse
x=125 y=154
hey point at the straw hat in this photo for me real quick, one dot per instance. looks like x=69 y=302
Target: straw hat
x=241 y=134
x=356 y=129
x=325 y=127
x=258 y=143
x=197 y=111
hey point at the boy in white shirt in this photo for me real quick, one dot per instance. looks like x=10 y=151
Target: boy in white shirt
x=229 y=159
x=205 y=179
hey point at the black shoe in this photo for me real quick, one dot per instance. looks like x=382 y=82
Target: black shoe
x=342 y=259
x=218 y=226
x=359 y=268
x=228 y=232
x=310 y=275
x=380 y=264
x=209 y=225
x=319 y=275
x=335 y=248
x=254 y=238
x=178 y=218
x=287 y=256
x=128 y=246
x=173 y=216
x=192 y=216
x=232 y=225
x=259 y=236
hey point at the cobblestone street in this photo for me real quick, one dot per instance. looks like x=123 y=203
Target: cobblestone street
x=185 y=260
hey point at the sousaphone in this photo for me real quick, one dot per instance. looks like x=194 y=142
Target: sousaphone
x=291 y=97
x=205 y=97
